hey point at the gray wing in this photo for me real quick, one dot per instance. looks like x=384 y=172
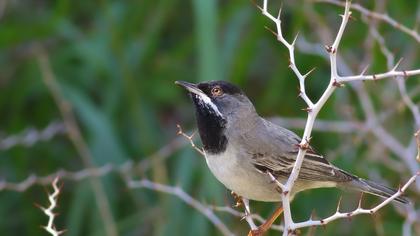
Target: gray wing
x=314 y=167
x=275 y=151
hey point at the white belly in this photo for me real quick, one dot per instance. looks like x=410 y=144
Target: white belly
x=238 y=175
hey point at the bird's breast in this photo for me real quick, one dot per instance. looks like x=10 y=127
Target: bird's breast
x=237 y=174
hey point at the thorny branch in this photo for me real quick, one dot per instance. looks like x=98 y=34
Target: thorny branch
x=76 y=138
x=373 y=123
x=31 y=136
x=359 y=210
x=52 y=198
x=190 y=139
x=313 y=108
x=127 y=167
x=399 y=149
x=379 y=16
x=206 y=210
x=126 y=171
x=177 y=191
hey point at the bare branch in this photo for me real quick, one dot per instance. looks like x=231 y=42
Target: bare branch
x=408 y=102
x=359 y=210
x=247 y=214
x=30 y=136
x=190 y=139
x=242 y=215
x=52 y=198
x=382 y=17
x=389 y=74
x=127 y=167
x=77 y=139
x=313 y=109
x=373 y=121
x=178 y=192
x=291 y=48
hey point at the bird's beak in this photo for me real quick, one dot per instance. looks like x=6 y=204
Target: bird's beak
x=199 y=94
x=192 y=88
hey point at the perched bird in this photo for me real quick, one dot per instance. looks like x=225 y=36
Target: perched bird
x=241 y=148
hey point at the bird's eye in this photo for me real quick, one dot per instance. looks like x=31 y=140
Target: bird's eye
x=216 y=91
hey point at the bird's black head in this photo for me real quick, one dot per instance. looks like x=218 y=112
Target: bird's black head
x=218 y=104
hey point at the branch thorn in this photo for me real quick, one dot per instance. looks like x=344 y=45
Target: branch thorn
x=328 y=48
x=360 y=201
x=397 y=64
x=272 y=31
x=294 y=40
x=313 y=214
x=351 y=17
x=280 y=9
x=339 y=203
x=255 y=4
x=308 y=109
x=309 y=72
x=364 y=70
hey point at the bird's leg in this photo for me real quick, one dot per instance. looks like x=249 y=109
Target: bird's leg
x=267 y=224
x=255 y=231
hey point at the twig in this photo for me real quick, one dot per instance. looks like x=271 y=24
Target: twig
x=52 y=198
x=394 y=144
x=30 y=136
x=190 y=139
x=382 y=17
x=374 y=77
x=63 y=174
x=313 y=109
x=242 y=215
x=77 y=139
x=178 y=192
x=373 y=122
x=127 y=167
x=359 y=210
x=407 y=100
x=247 y=214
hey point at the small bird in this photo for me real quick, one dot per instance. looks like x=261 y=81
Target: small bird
x=241 y=148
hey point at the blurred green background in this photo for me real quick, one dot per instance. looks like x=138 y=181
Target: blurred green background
x=116 y=62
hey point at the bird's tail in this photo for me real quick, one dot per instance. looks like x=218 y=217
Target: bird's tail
x=371 y=187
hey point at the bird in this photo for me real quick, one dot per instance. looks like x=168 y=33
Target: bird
x=241 y=148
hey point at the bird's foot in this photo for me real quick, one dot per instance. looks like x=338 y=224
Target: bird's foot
x=238 y=199
x=267 y=224
x=255 y=232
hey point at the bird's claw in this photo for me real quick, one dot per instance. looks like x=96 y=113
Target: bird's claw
x=238 y=200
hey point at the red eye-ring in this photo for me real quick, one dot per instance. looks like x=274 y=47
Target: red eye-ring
x=216 y=91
